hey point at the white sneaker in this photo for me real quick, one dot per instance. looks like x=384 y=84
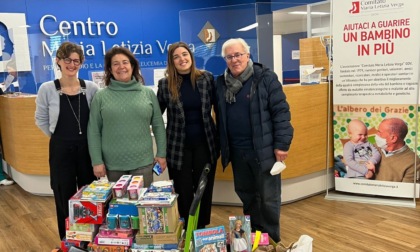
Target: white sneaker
x=6 y=182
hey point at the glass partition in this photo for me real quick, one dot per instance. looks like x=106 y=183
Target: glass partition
x=278 y=36
x=272 y=30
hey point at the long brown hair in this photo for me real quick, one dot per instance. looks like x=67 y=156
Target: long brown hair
x=174 y=79
x=133 y=61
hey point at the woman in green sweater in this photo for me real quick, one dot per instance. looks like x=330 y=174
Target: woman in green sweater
x=120 y=140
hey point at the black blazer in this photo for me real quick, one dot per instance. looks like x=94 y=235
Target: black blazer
x=176 y=119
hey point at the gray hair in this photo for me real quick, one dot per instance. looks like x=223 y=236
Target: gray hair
x=235 y=41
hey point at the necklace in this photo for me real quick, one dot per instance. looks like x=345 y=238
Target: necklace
x=78 y=116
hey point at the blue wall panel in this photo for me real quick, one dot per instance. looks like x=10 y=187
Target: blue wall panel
x=147 y=28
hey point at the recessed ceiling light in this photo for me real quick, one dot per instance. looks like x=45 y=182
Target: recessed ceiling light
x=305 y=13
x=249 y=27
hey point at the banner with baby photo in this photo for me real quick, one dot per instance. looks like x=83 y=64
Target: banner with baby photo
x=375 y=97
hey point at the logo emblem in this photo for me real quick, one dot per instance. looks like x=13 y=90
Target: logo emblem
x=208 y=35
x=355 y=8
x=14 y=46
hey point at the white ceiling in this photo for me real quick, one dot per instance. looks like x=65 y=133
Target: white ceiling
x=285 y=23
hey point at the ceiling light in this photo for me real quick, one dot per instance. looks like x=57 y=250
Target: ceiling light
x=249 y=27
x=305 y=13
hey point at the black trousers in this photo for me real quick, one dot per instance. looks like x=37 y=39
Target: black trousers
x=186 y=182
x=70 y=169
x=260 y=192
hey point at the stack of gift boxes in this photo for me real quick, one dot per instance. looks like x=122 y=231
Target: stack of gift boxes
x=124 y=216
x=87 y=211
x=160 y=227
x=122 y=220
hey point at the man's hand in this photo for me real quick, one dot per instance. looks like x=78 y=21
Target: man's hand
x=280 y=155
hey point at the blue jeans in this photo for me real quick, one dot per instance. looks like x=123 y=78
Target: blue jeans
x=259 y=192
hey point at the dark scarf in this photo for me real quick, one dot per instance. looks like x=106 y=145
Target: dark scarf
x=233 y=85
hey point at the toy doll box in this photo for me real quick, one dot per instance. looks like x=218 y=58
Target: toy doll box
x=240 y=233
x=158 y=219
x=85 y=211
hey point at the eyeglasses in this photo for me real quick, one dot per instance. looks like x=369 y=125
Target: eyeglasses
x=235 y=56
x=76 y=62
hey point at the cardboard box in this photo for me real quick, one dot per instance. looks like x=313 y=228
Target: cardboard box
x=310 y=74
x=133 y=189
x=119 y=189
x=168 y=238
x=66 y=244
x=87 y=227
x=80 y=235
x=123 y=208
x=98 y=190
x=103 y=240
x=264 y=239
x=154 y=250
x=108 y=248
x=82 y=211
x=158 y=219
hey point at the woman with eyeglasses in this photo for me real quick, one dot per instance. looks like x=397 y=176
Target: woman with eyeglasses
x=62 y=113
x=187 y=94
x=119 y=133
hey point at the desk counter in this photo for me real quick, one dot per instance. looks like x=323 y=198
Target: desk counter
x=310 y=147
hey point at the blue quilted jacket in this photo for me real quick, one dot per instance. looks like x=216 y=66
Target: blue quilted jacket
x=270 y=117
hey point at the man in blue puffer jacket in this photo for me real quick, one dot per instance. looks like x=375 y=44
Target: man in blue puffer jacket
x=253 y=119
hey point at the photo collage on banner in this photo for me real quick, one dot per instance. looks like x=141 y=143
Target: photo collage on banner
x=376 y=78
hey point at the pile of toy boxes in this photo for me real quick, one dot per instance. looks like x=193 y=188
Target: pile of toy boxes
x=160 y=227
x=122 y=220
x=124 y=216
x=87 y=210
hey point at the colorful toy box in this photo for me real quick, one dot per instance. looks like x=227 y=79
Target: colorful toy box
x=86 y=227
x=162 y=186
x=168 y=238
x=123 y=208
x=264 y=239
x=134 y=187
x=85 y=211
x=108 y=248
x=67 y=244
x=104 y=240
x=119 y=189
x=98 y=190
x=158 y=219
x=80 y=235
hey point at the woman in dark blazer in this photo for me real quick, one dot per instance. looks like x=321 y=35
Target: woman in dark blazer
x=187 y=94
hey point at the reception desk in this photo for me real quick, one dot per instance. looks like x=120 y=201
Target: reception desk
x=309 y=149
x=25 y=147
x=306 y=172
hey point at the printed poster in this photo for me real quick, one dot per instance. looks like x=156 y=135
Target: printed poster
x=376 y=77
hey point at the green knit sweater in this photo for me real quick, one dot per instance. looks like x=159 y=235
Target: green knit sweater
x=119 y=126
